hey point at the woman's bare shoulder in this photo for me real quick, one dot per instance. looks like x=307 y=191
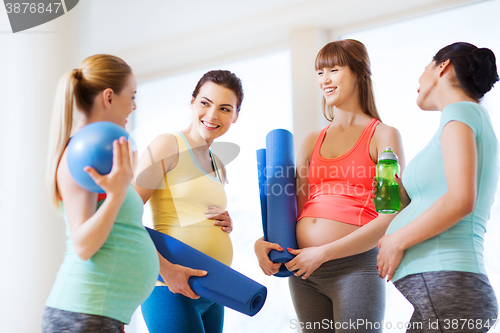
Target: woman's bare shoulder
x=384 y=131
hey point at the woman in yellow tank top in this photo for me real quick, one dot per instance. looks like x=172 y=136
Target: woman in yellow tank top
x=184 y=183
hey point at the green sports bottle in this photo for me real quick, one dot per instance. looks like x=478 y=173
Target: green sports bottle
x=387 y=196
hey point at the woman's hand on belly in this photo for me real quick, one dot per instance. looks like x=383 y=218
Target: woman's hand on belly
x=262 y=249
x=221 y=217
x=176 y=278
x=307 y=260
x=390 y=255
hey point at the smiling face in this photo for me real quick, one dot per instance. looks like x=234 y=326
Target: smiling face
x=124 y=103
x=338 y=85
x=214 y=110
x=428 y=81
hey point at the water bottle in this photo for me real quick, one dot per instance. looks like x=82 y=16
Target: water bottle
x=387 y=196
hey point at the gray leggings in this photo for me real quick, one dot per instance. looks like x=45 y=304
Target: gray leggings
x=61 y=321
x=449 y=301
x=342 y=295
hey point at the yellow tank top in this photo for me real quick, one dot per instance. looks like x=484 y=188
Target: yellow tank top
x=178 y=206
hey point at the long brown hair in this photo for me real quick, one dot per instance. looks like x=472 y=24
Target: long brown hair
x=79 y=87
x=351 y=53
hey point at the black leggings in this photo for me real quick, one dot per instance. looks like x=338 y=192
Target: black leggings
x=449 y=301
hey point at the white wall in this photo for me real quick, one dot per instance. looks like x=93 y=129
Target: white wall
x=31 y=233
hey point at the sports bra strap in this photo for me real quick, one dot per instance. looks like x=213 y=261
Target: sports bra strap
x=367 y=134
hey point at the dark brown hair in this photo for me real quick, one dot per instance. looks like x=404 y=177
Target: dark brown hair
x=224 y=79
x=353 y=54
x=475 y=68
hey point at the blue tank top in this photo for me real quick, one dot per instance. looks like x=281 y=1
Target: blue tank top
x=118 y=277
x=459 y=248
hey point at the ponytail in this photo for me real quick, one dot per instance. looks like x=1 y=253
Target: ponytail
x=60 y=130
x=79 y=88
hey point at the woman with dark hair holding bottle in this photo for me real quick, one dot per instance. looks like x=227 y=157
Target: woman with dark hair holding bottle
x=433 y=249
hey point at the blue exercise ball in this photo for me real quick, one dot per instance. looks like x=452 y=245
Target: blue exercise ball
x=93 y=146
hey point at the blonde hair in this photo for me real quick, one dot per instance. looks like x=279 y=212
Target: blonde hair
x=79 y=87
x=351 y=53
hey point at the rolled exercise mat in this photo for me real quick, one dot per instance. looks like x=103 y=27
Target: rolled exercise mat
x=221 y=285
x=261 y=168
x=281 y=196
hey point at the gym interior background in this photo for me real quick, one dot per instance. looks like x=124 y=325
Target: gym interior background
x=271 y=46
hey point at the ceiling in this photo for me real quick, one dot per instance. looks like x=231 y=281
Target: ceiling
x=159 y=38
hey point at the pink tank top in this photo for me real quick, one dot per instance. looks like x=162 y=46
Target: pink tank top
x=340 y=188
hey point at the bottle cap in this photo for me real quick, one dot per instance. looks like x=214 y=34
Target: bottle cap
x=388 y=154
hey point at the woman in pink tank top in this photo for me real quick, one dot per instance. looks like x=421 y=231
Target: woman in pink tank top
x=336 y=285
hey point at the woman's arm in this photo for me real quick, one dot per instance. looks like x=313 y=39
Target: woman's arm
x=302 y=169
x=262 y=249
x=221 y=218
x=176 y=277
x=90 y=228
x=366 y=238
x=160 y=157
x=458 y=145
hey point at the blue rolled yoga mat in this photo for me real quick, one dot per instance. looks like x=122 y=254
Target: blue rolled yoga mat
x=261 y=166
x=280 y=191
x=221 y=285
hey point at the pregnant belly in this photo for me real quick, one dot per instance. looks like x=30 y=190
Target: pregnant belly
x=206 y=238
x=317 y=231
